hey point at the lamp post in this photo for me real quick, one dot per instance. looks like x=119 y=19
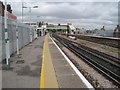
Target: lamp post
x=22 y=11
x=30 y=20
x=38 y=20
x=6 y=36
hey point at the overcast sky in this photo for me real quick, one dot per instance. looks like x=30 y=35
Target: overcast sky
x=89 y=15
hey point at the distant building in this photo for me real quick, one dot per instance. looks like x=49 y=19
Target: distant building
x=1 y=9
x=117 y=31
x=33 y=24
x=38 y=31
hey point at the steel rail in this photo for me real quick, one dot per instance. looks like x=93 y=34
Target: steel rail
x=100 y=40
x=83 y=53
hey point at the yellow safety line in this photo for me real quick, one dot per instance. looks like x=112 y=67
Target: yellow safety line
x=46 y=70
x=42 y=83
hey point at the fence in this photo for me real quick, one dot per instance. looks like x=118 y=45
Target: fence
x=0 y=38
x=107 y=33
x=23 y=36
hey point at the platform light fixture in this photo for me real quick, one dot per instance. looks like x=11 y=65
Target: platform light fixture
x=30 y=19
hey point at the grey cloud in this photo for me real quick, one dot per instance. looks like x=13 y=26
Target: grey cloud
x=96 y=14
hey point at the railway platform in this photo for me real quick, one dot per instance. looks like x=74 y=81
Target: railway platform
x=57 y=70
x=42 y=64
x=24 y=70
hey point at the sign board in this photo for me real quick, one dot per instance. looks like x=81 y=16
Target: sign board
x=69 y=23
x=11 y=17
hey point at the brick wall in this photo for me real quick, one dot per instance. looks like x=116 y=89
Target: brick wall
x=1 y=9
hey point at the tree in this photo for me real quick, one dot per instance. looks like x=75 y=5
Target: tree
x=9 y=8
x=39 y=24
x=96 y=29
x=103 y=28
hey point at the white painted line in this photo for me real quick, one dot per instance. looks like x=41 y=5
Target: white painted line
x=85 y=81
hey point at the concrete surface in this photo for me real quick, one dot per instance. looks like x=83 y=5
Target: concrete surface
x=50 y=80
x=66 y=76
x=25 y=74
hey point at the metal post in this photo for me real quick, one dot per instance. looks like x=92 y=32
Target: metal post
x=22 y=11
x=30 y=21
x=6 y=37
x=42 y=31
x=30 y=25
x=17 y=40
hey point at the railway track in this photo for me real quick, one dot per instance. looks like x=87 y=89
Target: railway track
x=106 y=66
x=115 y=59
x=109 y=41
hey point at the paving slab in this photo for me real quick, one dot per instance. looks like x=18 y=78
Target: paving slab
x=66 y=76
x=48 y=77
x=25 y=74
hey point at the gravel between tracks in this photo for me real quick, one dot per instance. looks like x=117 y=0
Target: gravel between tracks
x=93 y=76
x=96 y=46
